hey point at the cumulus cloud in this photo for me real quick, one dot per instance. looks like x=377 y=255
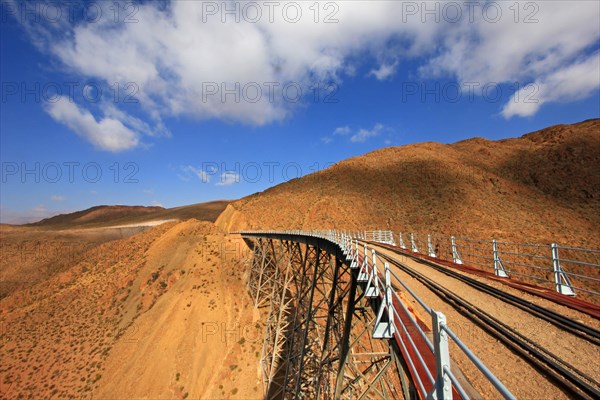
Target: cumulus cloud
x=106 y=134
x=198 y=172
x=363 y=134
x=359 y=136
x=342 y=130
x=339 y=131
x=186 y=61
x=574 y=82
x=57 y=198
x=545 y=43
x=229 y=178
x=384 y=71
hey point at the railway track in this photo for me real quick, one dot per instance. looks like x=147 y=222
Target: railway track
x=567 y=324
x=567 y=377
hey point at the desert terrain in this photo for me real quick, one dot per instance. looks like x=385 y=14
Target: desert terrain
x=543 y=187
x=132 y=303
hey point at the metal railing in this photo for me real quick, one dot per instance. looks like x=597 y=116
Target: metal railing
x=568 y=270
x=379 y=281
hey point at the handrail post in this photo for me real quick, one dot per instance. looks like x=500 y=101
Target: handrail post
x=559 y=276
x=443 y=385
x=498 y=265
x=385 y=329
x=430 y=246
x=401 y=241
x=455 y=255
x=363 y=272
x=372 y=288
x=412 y=243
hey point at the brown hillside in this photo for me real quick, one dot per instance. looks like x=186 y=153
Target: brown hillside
x=542 y=187
x=94 y=305
x=158 y=315
x=33 y=253
x=96 y=214
x=100 y=216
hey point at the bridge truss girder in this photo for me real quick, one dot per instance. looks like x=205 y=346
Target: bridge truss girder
x=318 y=341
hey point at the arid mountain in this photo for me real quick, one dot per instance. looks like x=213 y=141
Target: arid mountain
x=90 y=300
x=104 y=214
x=93 y=306
x=32 y=253
x=120 y=215
x=541 y=187
x=160 y=314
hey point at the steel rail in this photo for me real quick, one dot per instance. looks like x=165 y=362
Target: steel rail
x=561 y=372
x=572 y=326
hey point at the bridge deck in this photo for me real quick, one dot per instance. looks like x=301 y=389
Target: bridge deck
x=571 y=352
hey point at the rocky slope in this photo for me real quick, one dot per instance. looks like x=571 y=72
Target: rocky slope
x=542 y=187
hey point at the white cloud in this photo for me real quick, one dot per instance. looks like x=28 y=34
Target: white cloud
x=363 y=134
x=506 y=50
x=342 y=130
x=339 y=131
x=111 y=111
x=359 y=136
x=547 y=51
x=177 y=60
x=384 y=71
x=106 y=134
x=58 y=198
x=574 y=82
x=229 y=178
x=173 y=56
x=198 y=172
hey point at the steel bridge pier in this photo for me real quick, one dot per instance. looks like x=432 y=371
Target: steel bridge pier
x=319 y=340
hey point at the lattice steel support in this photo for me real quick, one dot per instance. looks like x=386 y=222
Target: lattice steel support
x=263 y=271
x=278 y=321
x=369 y=367
x=308 y=327
x=318 y=335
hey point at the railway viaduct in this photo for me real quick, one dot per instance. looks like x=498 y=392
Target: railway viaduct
x=344 y=321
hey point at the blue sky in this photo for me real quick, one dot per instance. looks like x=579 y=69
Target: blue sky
x=174 y=103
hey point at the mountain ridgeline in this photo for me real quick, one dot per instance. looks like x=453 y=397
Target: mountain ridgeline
x=541 y=187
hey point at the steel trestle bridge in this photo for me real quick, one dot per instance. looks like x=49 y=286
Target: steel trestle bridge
x=340 y=325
